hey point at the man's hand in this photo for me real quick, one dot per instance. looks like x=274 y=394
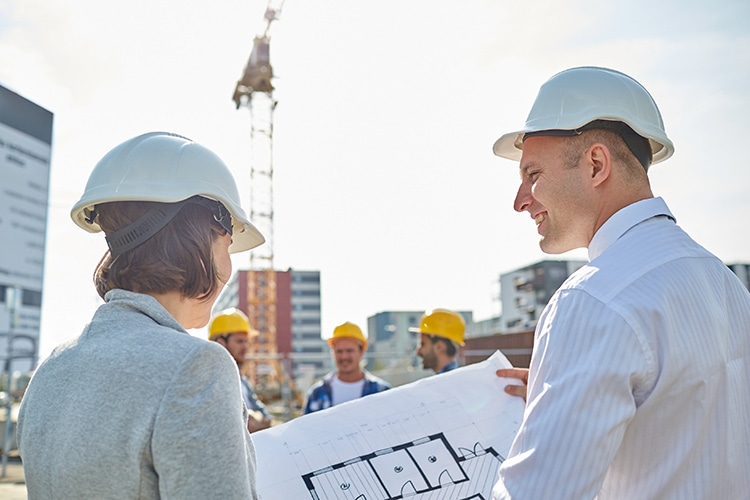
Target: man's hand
x=256 y=421
x=521 y=374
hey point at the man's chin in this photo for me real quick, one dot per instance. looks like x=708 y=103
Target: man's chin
x=549 y=247
x=552 y=247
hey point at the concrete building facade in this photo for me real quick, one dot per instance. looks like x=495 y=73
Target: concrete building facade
x=525 y=292
x=743 y=273
x=285 y=307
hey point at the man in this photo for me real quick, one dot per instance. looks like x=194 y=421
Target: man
x=637 y=386
x=231 y=329
x=349 y=381
x=441 y=333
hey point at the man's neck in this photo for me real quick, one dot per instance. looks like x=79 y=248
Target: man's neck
x=350 y=377
x=442 y=364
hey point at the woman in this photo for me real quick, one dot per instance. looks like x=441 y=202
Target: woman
x=135 y=407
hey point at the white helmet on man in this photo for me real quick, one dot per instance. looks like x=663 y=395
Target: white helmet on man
x=167 y=168
x=576 y=97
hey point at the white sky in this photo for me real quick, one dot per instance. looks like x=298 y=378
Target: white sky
x=384 y=176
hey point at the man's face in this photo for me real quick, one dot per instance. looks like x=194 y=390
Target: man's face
x=426 y=351
x=347 y=353
x=557 y=196
x=237 y=344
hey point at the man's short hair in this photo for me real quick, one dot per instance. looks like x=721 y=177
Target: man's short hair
x=450 y=347
x=616 y=144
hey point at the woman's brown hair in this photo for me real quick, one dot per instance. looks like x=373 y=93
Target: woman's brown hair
x=179 y=257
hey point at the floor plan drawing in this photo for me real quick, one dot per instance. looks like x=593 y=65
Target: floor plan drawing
x=439 y=438
x=410 y=470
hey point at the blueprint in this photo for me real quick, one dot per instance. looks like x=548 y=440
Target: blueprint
x=442 y=437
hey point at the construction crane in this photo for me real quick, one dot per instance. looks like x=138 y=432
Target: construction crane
x=258 y=71
x=254 y=90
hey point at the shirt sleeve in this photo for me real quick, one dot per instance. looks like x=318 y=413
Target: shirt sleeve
x=586 y=364
x=253 y=403
x=201 y=447
x=317 y=398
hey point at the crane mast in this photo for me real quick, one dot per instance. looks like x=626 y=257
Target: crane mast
x=254 y=91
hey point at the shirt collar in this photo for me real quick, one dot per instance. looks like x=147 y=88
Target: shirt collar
x=623 y=220
x=143 y=303
x=450 y=366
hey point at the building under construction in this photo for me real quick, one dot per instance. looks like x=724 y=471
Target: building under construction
x=288 y=354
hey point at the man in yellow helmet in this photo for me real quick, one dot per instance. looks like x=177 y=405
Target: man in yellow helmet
x=350 y=381
x=441 y=333
x=231 y=329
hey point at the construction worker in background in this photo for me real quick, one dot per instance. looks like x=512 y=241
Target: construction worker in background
x=441 y=333
x=349 y=381
x=231 y=329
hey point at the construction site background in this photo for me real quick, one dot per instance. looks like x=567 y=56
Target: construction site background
x=285 y=398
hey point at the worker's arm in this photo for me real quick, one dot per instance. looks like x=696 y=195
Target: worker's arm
x=586 y=365
x=256 y=421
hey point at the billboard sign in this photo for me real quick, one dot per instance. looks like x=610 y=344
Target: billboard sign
x=25 y=152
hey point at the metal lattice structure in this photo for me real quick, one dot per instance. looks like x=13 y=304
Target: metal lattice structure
x=254 y=91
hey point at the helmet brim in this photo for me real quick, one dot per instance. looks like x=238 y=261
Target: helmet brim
x=510 y=145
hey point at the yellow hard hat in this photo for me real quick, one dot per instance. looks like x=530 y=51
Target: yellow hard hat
x=230 y=320
x=442 y=323
x=348 y=330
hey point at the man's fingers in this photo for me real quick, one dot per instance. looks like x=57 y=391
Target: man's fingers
x=516 y=390
x=521 y=374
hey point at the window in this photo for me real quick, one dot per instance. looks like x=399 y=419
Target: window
x=307 y=278
x=31 y=298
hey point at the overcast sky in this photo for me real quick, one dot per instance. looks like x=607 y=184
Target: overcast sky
x=385 y=179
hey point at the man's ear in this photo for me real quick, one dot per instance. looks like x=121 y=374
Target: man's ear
x=440 y=346
x=599 y=160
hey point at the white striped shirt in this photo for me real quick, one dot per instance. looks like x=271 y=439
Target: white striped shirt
x=638 y=384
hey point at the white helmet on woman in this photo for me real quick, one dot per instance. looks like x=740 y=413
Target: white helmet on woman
x=577 y=97
x=166 y=168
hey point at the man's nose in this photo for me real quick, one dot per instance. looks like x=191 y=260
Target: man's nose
x=523 y=198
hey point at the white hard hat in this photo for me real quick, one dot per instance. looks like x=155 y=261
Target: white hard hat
x=166 y=168
x=578 y=96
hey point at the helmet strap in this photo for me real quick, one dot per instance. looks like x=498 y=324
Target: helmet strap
x=147 y=225
x=150 y=223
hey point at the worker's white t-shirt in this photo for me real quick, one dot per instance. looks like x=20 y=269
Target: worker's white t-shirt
x=346 y=391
